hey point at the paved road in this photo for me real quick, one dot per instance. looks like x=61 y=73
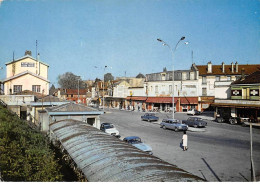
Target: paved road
x=221 y=153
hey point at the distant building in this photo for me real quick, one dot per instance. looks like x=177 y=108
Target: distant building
x=215 y=80
x=243 y=100
x=159 y=90
x=26 y=73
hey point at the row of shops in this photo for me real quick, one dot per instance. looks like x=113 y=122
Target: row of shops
x=181 y=104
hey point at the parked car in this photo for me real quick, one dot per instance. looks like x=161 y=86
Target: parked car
x=195 y=122
x=193 y=112
x=149 y=117
x=92 y=104
x=137 y=142
x=173 y=124
x=110 y=129
x=237 y=120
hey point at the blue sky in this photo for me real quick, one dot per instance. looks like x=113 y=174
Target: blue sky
x=76 y=35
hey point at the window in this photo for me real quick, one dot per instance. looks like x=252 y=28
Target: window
x=27 y=64
x=170 y=88
x=204 y=91
x=204 y=80
x=17 y=88
x=188 y=76
x=36 y=88
x=217 y=78
x=156 y=89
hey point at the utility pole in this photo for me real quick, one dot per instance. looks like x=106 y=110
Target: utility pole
x=251 y=155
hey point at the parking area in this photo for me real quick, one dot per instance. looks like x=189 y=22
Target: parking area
x=218 y=152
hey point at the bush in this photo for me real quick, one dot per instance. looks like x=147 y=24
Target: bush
x=24 y=153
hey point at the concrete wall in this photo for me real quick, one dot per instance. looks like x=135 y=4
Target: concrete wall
x=17 y=99
x=46 y=120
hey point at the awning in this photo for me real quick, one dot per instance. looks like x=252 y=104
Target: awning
x=114 y=98
x=161 y=100
x=189 y=100
x=235 y=105
x=136 y=98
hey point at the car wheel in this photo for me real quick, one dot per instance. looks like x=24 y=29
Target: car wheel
x=176 y=129
x=164 y=127
x=195 y=126
x=232 y=121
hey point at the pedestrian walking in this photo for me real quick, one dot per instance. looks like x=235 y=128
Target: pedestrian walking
x=185 y=141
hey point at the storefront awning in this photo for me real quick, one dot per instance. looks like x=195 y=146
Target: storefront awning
x=160 y=100
x=189 y=100
x=235 y=105
x=136 y=98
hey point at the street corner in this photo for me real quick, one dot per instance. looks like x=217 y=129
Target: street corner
x=192 y=129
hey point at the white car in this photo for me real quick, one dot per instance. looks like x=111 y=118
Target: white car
x=193 y=112
x=110 y=129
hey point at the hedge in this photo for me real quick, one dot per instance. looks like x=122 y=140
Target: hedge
x=25 y=154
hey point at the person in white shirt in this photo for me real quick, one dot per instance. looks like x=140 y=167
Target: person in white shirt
x=185 y=141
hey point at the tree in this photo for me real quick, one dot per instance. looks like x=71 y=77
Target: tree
x=108 y=77
x=70 y=81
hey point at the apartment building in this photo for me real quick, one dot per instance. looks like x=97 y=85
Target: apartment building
x=215 y=80
x=160 y=89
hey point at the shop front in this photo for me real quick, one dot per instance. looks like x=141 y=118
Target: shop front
x=136 y=102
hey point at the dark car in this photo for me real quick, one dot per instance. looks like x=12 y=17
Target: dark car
x=149 y=117
x=137 y=142
x=195 y=122
x=173 y=124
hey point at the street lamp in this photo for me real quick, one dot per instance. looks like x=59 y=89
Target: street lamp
x=78 y=88
x=103 y=89
x=172 y=52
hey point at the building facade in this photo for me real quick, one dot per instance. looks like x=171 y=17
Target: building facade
x=215 y=80
x=160 y=89
x=243 y=100
x=26 y=73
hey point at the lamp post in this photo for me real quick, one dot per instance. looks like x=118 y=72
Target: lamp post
x=103 y=89
x=78 y=89
x=172 y=52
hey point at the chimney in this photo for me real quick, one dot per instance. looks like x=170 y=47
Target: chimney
x=27 y=52
x=232 y=67
x=209 y=67
x=236 y=67
x=243 y=74
x=223 y=67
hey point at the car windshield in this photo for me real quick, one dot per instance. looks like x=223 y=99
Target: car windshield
x=135 y=141
x=108 y=126
x=199 y=119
